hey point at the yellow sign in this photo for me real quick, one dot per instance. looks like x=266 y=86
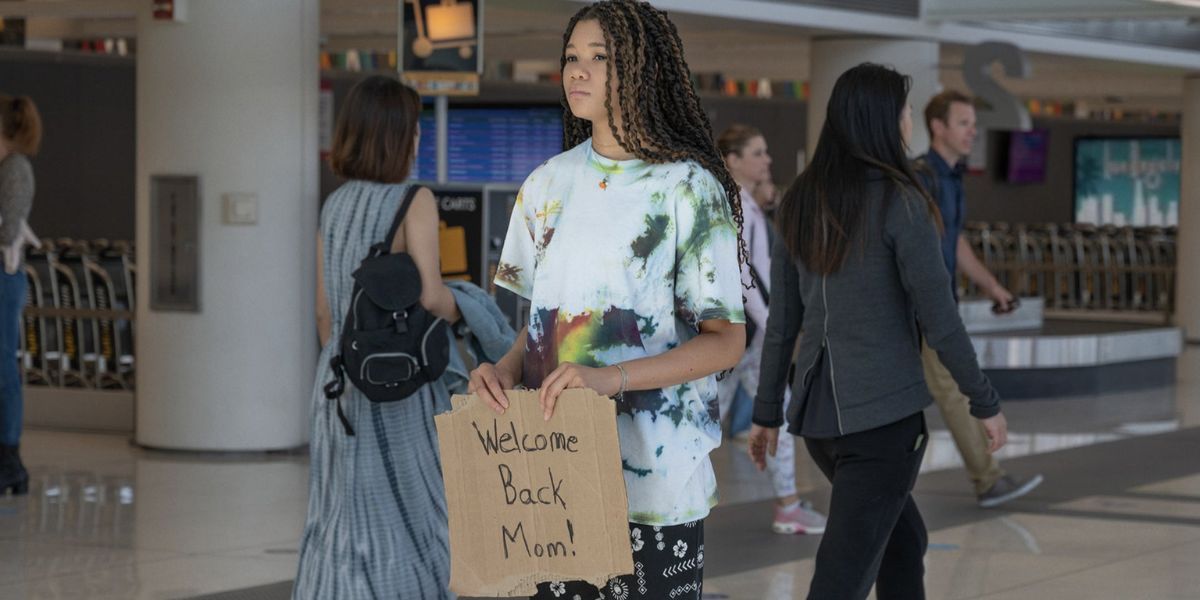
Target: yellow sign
x=437 y=83
x=452 y=242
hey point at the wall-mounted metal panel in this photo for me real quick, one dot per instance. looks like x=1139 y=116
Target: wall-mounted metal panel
x=175 y=243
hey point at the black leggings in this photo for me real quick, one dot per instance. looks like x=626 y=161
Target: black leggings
x=668 y=564
x=875 y=534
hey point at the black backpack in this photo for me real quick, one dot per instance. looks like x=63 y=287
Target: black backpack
x=390 y=345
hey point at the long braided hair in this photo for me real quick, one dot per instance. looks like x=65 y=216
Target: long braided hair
x=660 y=111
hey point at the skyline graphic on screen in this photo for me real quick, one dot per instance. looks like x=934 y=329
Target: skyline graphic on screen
x=1127 y=181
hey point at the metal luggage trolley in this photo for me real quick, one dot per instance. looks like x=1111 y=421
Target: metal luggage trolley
x=44 y=308
x=1064 y=284
x=1029 y=273
x=66 y=273
x=36 y=341
x=102 y=352
x=1007 y=265
x=1113 y=267
x=117 y=261
x=975 y=234
x=111 y=299
x=997 y=243
x=1162 y=248
x=1140 y=278
x=1086 y=266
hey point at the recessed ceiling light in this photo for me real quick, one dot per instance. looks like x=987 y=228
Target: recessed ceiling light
x=1187 y=3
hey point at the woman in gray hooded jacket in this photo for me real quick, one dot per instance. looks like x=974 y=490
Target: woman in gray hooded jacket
x=858 y=269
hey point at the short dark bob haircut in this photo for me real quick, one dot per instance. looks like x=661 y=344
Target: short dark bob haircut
x=375 y=131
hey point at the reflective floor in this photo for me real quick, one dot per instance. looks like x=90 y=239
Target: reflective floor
x=1118 y=516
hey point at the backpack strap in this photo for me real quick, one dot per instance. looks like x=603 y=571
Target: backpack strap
x=334 y=389
x=409 y=194
x=758 y=283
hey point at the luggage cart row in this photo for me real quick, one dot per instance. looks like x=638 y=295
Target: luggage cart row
x=1080 y=266
x=78 y=318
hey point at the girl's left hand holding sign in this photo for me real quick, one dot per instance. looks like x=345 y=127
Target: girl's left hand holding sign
x=606 y=381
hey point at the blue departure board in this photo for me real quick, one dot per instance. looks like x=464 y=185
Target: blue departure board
x=425 y=168
x=491 y=145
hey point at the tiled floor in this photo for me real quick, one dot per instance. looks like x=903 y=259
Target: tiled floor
x=1026 y=556
x=1119 y=516
x=106 y=520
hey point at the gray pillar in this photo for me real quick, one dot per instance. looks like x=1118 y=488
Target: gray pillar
x=832 y=57
x=1187 y=271
x=230 y=95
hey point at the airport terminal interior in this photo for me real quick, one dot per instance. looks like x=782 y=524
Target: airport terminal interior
x=168 y=344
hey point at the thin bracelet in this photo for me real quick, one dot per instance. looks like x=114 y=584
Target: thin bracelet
x=624 y=380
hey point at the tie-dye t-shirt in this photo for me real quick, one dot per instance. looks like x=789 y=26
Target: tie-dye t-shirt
x=622 y=260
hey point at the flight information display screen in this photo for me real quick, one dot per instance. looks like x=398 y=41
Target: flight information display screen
x=491 y=144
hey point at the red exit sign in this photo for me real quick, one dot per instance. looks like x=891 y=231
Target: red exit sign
x=168 y=10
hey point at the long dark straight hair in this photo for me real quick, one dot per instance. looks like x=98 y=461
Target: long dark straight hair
x=824 y=211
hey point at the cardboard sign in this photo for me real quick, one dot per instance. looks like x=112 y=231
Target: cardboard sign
x=532 y=500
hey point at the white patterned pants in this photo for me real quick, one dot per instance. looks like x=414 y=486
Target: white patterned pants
x=781 y=468
x=668 y=564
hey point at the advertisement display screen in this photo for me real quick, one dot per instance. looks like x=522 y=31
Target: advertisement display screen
x=1027 y=151
x=1127 y=181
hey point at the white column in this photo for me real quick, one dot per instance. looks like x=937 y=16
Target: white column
x=230 y=95
x=1187 y=270
x=832 y=57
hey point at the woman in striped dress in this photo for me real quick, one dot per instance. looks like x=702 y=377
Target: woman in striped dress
x=376 y=522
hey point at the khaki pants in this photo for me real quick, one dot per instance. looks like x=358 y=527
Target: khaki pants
x=969 y=434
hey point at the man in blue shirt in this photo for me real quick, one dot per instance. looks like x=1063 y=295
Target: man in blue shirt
x=950 y=119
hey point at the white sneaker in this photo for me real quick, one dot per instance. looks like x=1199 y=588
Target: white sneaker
x=801 y=520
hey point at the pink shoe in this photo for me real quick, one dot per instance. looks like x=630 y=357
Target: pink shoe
x=801 y=520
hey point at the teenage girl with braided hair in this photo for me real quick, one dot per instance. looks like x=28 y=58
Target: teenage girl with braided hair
x=627 y=247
